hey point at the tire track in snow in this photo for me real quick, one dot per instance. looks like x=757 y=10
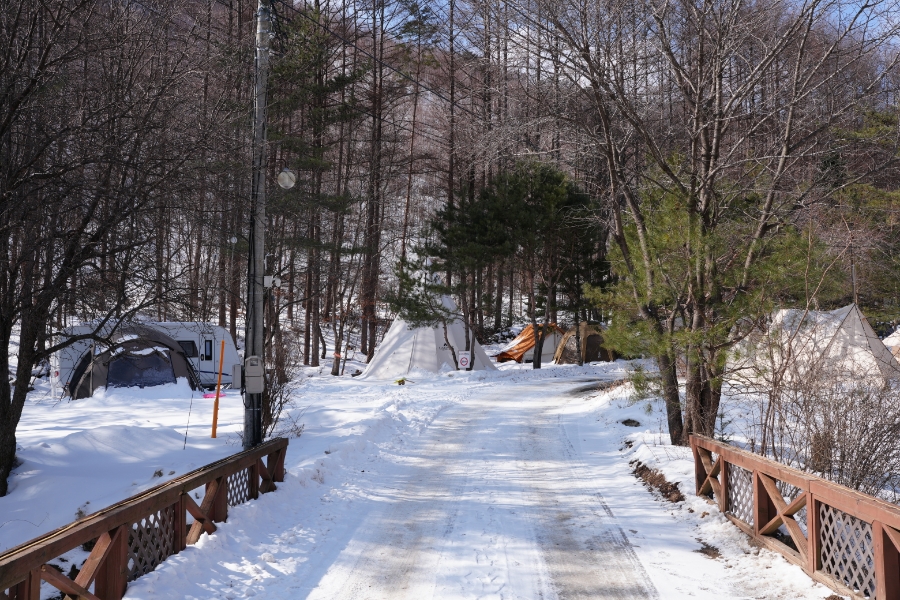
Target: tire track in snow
x=587 y=552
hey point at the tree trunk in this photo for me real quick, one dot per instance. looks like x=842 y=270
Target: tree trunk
x=669 y=375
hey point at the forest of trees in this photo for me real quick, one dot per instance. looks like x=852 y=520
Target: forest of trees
x=669 y=167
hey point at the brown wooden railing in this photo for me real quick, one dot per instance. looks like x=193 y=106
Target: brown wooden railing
x=134 y=536
x=844 y=539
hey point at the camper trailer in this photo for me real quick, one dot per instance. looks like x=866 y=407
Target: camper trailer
x=201 y=343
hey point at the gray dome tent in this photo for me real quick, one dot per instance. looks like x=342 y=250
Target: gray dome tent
x=139 y=357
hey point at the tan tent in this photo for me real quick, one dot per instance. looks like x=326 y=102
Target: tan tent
x=521 y=349
x=592 y=349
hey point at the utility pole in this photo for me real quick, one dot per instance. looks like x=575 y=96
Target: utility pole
x=256 y=264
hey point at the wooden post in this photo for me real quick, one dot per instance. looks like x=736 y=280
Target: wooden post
x=112 y=576
x=762 y=506
x=254 y=481
x=180 y=529
x=275 y=465
x=723 y=485
x=887 y=563
x=699 y=471
x=219 y=511
x=30 y=589
x=218 y=388
x=813 y=534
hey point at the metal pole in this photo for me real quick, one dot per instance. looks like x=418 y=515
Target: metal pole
x=256 y=262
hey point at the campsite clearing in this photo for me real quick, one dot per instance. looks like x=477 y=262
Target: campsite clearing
x=509 y=484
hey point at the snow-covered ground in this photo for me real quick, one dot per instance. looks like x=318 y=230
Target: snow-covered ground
x=514 y=484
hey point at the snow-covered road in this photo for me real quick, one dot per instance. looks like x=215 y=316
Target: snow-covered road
x=507 y=485
x=494 y=501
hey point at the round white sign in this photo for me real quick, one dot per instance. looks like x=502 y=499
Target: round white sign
x=464 y=360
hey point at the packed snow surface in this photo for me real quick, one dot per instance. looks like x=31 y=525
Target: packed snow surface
x=509 y=484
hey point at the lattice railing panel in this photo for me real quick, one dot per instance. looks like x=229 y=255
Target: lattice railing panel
x=150 y=542
x=740 y=493
x=847 y=550
x=239 y=487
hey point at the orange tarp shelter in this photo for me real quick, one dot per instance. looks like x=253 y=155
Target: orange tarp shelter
x=522 y=347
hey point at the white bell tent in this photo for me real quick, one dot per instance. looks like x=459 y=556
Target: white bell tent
x=840 y=341
x=405 y=351
x=893 y=341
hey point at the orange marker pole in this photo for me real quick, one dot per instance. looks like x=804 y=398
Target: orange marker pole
x=218 y=388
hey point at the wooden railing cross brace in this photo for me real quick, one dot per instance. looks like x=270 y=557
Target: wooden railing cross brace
x=893 y=534
x=101 y=549
x=712 y=473
x=201 y=513
x=89 y=570
x=267 y=485
x=785 y=514
x=64 y=584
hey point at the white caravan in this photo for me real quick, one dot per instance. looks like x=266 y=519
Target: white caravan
x=201 y=343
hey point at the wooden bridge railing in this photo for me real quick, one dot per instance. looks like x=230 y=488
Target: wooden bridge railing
x=134 y=536
x=844 y=539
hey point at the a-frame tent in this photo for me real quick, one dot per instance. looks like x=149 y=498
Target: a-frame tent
x=592 y=349
x=407 y=350
x=839 y=343
x=521 y=349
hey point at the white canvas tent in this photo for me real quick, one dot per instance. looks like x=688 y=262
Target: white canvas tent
x=893 y=340
x=405 y=351
x=840 y=342
x=893 y=344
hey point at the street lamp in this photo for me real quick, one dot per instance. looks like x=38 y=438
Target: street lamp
x=287 y=179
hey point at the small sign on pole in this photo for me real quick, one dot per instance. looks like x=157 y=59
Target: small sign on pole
x=465 y=360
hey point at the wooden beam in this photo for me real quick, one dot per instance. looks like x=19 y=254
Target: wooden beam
x=218 y=511
x=773 y=492
x=795 y=506
x=253 y=480
x=761 y=503
x=275 y=463
x=893 y=535
x=180 y=529
x=710 y=482
x=201 y=513
x=64 y=584
x=27 y=589
x=785 y=513
x=111 y=578
x=887 y=563
x=699 y=471
x=813 y=535
x=101 y=549
x=267 y=485
x=723 y=484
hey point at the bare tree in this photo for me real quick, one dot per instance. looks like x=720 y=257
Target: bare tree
x=712 y=116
